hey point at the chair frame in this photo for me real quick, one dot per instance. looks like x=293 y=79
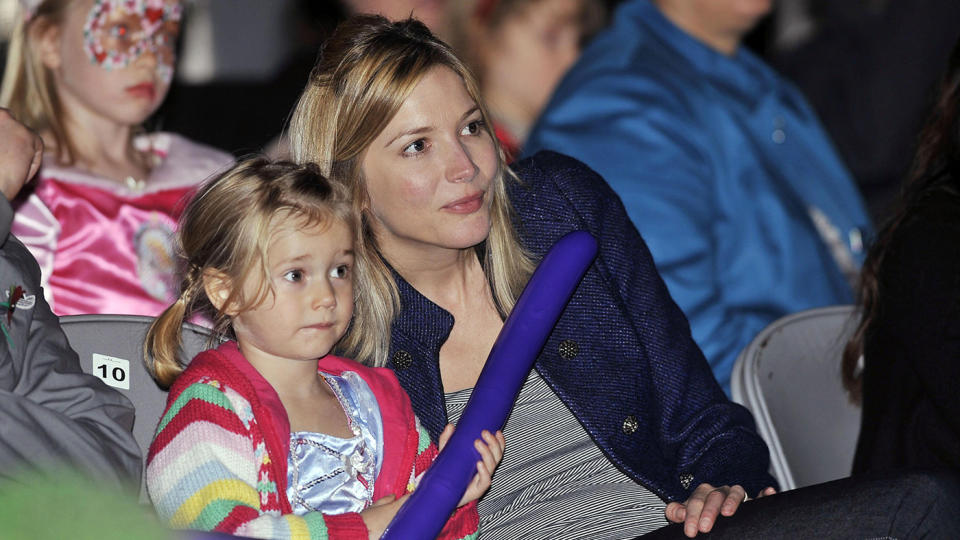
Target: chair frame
x=747 y=388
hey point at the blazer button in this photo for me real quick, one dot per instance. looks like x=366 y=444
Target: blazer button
x=402 y=359
x=569 y=349
x=630 y=424
x=686 y=479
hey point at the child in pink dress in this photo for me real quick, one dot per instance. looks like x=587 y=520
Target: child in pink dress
x=101 y=214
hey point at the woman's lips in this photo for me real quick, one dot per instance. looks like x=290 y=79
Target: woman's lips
x=466 y=205
x=143 y=90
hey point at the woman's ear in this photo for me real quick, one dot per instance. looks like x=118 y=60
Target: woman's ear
x=218 y=287
x=46 y=37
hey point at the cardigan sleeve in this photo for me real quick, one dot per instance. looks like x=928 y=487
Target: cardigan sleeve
x=703 y=436
x=207 y=470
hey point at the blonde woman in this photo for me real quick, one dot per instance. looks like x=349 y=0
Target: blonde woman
x=621 y=414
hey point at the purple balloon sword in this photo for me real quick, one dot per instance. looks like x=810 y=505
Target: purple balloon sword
x=523 y=335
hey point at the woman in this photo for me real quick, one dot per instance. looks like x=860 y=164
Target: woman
x=909 y=334
x=391 y=111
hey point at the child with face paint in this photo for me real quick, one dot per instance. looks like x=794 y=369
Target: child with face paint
x=101 y=214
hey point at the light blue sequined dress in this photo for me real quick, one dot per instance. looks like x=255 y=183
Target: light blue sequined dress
x=333 y=475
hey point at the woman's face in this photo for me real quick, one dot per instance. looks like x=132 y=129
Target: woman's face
x=429 y=172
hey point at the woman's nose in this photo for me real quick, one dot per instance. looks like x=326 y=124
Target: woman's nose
x=460 y=166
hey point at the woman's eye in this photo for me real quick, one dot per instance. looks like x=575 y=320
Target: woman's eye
x=341 y=271
x=472 y=128
x=415 y=147
x=293 y=276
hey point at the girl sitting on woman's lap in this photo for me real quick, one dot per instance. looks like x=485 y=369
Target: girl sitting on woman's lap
x=268 y=435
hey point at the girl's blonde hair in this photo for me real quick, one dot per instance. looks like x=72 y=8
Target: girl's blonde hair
x=366 y=70
x=225 y=229
x=28 y=88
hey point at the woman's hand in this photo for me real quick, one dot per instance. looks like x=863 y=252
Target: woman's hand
x=379 y=514
x=699 y=512
x=491 y=451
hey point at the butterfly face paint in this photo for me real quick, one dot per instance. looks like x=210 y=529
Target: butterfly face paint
x=117 y=32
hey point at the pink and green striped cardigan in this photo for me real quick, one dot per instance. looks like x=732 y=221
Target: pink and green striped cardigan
x=218 y=461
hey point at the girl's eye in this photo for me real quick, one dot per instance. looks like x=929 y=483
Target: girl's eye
x=294 y=276
x=416 y=147
x=472 y=128
x=340 y=272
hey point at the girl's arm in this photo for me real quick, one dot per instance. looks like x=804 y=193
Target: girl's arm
x=207 y=470
x=465 y=521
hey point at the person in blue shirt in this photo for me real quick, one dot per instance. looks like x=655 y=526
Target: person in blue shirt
x=722 y=165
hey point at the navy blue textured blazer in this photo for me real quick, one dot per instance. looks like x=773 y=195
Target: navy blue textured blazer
x=628 y=368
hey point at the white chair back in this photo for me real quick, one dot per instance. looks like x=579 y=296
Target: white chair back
x=789 y=378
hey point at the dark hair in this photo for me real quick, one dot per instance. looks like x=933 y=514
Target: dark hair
x=936 y=168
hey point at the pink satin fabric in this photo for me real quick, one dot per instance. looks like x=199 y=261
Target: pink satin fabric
x=107 y=247
x=114 y=253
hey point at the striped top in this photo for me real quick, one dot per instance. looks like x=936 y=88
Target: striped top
x=219 y=459
x=553 y=481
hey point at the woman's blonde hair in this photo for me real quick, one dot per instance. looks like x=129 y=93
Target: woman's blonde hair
x=366 y=70
x=226 y=229
x=28 y=88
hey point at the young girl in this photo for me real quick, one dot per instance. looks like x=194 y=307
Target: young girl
x=100 y=216
x=260 y=438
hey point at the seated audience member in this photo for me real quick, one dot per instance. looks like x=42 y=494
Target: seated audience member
x=909 y=334
x=52 y=413
x=100 y=216
x=519 y=50
x=621 y=427
x=721 y=164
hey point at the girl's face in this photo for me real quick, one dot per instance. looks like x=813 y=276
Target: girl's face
x=311 y=275
x=429 y=172
x=113 y=59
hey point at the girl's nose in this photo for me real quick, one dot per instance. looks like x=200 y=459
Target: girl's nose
x=322 y=295
x=460 y=166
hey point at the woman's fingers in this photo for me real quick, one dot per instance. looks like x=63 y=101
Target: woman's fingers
x=734 y=498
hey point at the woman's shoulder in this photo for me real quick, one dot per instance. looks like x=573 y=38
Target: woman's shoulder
x=549 y=174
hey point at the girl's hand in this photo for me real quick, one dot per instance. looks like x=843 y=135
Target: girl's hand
x=491 y=451
x=378 y=515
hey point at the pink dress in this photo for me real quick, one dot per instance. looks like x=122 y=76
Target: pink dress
x=108 y=247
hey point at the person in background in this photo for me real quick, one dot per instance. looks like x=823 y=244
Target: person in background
x=54 y=415
x=519 y=51
x=908 y=339
x=100 y=217
x=723 y=167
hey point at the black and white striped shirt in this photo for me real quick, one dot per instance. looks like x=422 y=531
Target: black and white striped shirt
x=553 y=481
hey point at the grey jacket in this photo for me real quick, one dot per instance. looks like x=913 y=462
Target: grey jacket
x=51 y=413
